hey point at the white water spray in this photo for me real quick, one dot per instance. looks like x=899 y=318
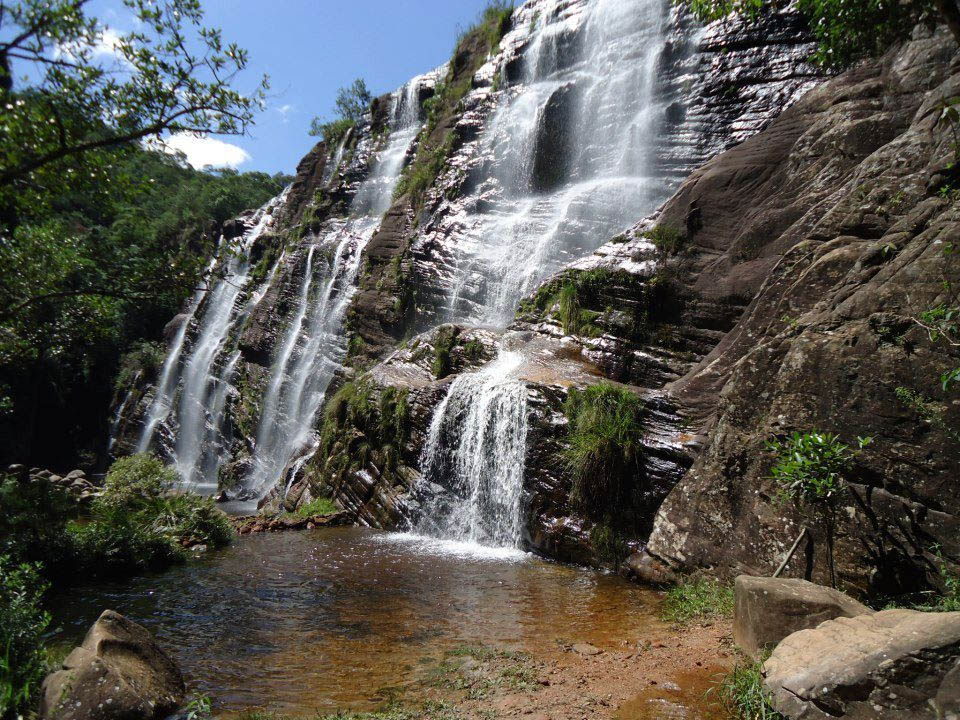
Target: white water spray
x=475 y=456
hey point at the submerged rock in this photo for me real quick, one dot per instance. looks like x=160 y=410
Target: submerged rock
x=768 y=609
x=893 y=665
x=118 y=673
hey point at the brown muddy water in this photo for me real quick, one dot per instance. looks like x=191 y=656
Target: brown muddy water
x=317 y=620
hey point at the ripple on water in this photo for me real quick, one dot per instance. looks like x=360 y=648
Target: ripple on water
x=302 y=621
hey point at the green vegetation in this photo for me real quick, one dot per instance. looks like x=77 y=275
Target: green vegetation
x=435 y=143
x=446 y=341
x=320 y=506
x=605 y=453
x=101 y=240
x=143 y=360
x=140 y=523
x=352 y=102
x=811 y=471
x=847 y=31
x=23 y=661
x=609 y=543
x=696 y=598
x=63 y=124
x=362 y=424
x=581 y=301
x=742 y=695
x=667 y=238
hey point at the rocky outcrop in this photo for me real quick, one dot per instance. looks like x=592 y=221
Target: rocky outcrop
x=893 y=665
x=118 y=673
x=834 y=220
x=766 y=610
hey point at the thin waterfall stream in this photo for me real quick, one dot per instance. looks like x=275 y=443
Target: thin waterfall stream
x=314 y=345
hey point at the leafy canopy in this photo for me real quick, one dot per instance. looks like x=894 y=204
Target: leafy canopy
x=58 y=125
x=352 y=102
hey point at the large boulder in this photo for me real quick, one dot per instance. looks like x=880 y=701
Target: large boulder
x=767 y=609
x=892 y=665
x=118 y=673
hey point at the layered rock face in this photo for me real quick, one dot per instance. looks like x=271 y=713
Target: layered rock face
x=336 y=281
x=838 y=221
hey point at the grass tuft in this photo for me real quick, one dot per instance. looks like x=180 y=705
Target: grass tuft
x=698 y=598
x=741 y=693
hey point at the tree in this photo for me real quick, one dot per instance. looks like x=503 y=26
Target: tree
x=812 y=471
x=846 y=31
x=98 y=91
x=352 y=102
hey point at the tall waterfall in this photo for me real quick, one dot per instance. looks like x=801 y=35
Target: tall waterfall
x=313 y=346
x=191 y=392
x=475 y=450
x=570 y=149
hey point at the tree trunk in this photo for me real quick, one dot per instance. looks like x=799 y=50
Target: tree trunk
x=951 y=15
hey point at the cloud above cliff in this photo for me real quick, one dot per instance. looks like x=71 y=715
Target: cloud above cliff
x=204 y=152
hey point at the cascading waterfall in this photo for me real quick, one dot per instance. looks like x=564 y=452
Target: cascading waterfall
x=313 y=345
x=192 y=389
x=477 y=446
x=571 y=151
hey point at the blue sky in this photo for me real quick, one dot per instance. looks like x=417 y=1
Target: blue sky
x=310 y=48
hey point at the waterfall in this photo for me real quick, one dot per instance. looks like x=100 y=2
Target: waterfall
x=569 y=163
x=474 y=458
x=192 y=390
x=570 y=150
x=313 y=345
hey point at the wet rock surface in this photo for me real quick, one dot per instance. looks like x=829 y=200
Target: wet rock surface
x=894 y=664
x=118 y=673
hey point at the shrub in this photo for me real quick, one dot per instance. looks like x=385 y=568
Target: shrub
x=115 y=545
x=356 y=426
x=33 y=524
x=446 y=340
x=320 y=506
x=742 y=695
x=695 y=598
x=668 y=239
x=352 y=102
x=135 y=483
x=22 y=624
x=142 y=489
x=811 y=471
x=605 y=451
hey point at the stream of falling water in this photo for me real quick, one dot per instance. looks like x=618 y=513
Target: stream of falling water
x=477 y=443
x=571 y=166
x=191 y=392
x=313 y=346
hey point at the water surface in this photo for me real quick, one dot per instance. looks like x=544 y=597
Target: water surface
x=316 y=620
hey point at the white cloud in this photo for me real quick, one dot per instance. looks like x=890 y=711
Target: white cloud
x=203 y=151
x=285 y=110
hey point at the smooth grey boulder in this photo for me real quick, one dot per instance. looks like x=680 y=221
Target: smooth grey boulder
x=118 y=673
x=767 y=609
x=892 y=665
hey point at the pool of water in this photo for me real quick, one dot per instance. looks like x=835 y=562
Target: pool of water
x=315 y=620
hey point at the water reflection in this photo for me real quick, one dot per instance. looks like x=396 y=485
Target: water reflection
x=316 y=620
